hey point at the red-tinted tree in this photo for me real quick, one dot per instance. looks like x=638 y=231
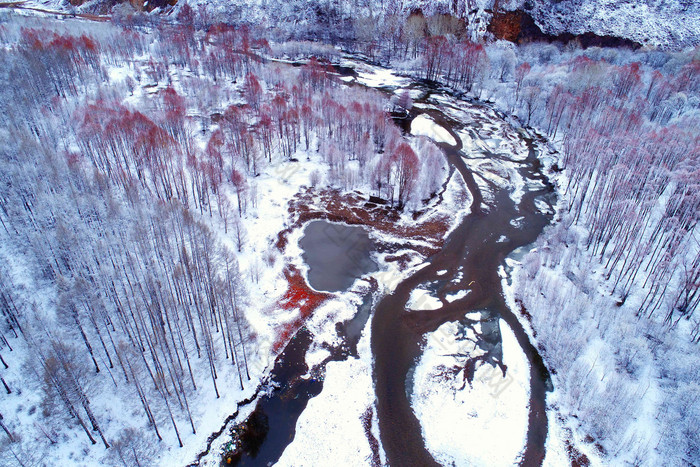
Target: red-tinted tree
x=174 y=107
x=252 y=91
x=407 y=168
x=627 y=80
x=521 y=73
x=239 y=183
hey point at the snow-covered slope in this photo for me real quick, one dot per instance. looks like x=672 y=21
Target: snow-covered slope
x=668 y=24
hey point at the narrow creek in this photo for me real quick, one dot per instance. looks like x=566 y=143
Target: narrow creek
x=471 y=255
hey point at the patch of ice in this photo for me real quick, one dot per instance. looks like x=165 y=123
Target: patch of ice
x=375 y=77
x=330 y=430
x=421 y=299
x=542 y=206
x=456 y=296
x=517 y=222
x=423 y=125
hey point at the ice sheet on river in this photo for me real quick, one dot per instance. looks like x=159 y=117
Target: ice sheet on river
x=330 y=430
x=484 y=425
x=423 y=125
x=376 y=77
x=422 y=299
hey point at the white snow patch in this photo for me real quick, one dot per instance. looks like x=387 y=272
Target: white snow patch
x=376 y=77
x=517 y=222
x=542 y=206
x=457 y=202
x=456 y=296
x=482 y=425
x=423 y=125
x=421 y=299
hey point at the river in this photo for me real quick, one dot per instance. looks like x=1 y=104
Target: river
x=472 y=255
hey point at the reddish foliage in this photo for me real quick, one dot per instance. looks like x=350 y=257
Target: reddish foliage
x=688 y=79
x=73 y=159
x=221 y=33
x=30 y=38
x=186 y=15
x=353 y=209
x=252 y=90
x=111 y=125
x=298 y=296
x=238 y=179
x=174 y=104
x=316 y=72
x=521 y=72
x=38 y=40
x=506 y=25
x=407 y=168
x=262 y=44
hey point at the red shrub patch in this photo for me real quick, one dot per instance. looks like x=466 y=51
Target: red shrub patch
x=299 y=295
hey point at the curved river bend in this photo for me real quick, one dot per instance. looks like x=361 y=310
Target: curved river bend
x=471 y=255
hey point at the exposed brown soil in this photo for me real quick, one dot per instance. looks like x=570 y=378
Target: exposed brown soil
x=506 y=25
x=526 y=314
x=401 y=260
x=578 y=459
x=354 y=209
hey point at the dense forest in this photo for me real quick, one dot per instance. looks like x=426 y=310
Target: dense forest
x=141 y=158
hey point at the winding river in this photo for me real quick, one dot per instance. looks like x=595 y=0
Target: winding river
x=476 y=250
x=472 y=255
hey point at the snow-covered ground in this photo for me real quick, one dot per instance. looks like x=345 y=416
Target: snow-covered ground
x=423 y=125
x=482 y=424
x=330 y=430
